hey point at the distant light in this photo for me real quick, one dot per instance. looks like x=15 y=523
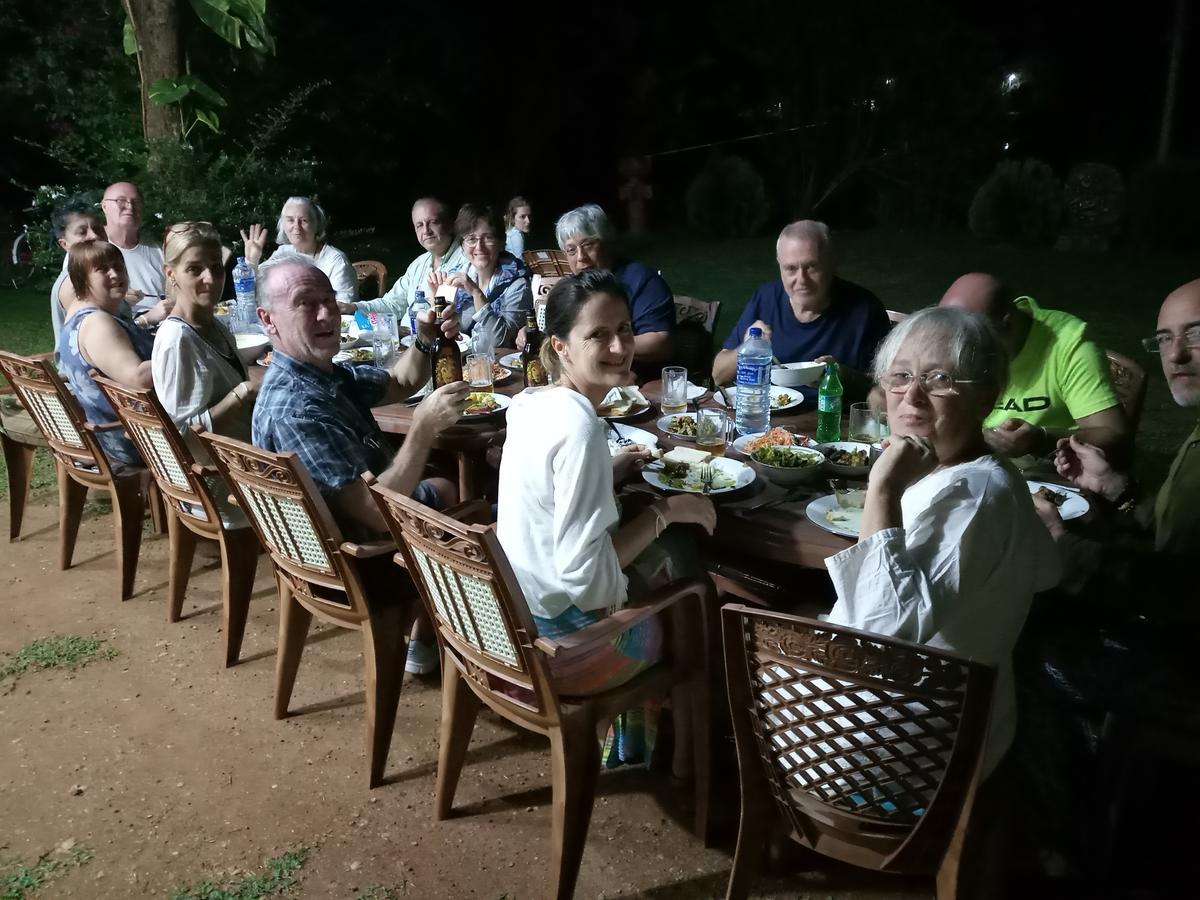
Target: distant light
x=1012 y=81
x=1006 y=145
x=871 y=105
x=889 y=81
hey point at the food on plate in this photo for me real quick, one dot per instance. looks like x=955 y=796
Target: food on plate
x=684 y=425
x=266 y=360
x=360 y=355
x=783 y=398
x=855 y=458
x=617 y=407
x=481 y=402
x=849 y=518
x=681 y=470
x=1056 y=497
x=677 y=461
x=777 y=437
x=499 y=373
x=784 y=457
x=346 y=339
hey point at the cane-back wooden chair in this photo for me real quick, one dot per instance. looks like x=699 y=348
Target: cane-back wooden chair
x=492 y=655
x=547 y=262
x=868 y=748
x=319 y=574
x=81 y=463
x=1129 y=381
x=192 y=512
x=370 y=272
x=19 y=448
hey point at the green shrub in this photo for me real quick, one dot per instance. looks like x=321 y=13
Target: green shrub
x=1164 y=206
x=1020 y=202
x=727 y=199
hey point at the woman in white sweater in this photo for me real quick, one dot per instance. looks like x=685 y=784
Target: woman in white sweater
x=300 y=231
x=558 y=518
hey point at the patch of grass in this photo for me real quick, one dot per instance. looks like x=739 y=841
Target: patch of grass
x=18 y=881
x=280 y=877
x=68 y=651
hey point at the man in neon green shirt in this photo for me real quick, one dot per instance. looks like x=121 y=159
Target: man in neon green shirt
x=1058 y=382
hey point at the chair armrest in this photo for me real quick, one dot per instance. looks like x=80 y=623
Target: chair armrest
x=101 y=429
x=206 y=469
x=368 y=549
x=47 y=355
x=473 y=512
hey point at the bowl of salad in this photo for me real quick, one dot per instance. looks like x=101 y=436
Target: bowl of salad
x=788 y=466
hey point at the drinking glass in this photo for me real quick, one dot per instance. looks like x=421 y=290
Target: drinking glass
x=479 y=372
x=383 y=337
x=674 y=390
x=712 y=431
x=864 y=423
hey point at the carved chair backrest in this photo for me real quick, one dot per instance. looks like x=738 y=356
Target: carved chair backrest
x=370 y=270
x=542 y=285
x=694 y=310
x=547 y=262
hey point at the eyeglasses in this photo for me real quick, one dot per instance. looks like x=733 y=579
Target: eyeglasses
x=1164 y=341
x=122 y=202
x=936 y=383
x=587 y=246
x=474 y=240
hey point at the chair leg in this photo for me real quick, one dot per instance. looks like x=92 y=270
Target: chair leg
x=18 y=459
x=71 y=497
x=158 y=510
x=460 y=707
x=383 y=658
x=181 y=552
x=239 y=563
x=294 y=620
x=129 y=510
x=690 y=703
x=575 y=764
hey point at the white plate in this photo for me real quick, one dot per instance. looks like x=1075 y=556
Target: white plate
x=1073 y=507
x=795 y=398
x=347 y=356
x=511 y=361
x=695 y=391
x=741 y=473
x=741 y=443
x=645 y=438
x=640 y=403
x=407 y=341
x=502 y=404
x=666 y=420
x=817 y=510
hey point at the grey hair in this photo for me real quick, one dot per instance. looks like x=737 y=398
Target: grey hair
x=319 y=220
x=807 y=230
x=264 y=281
x=587 y=221
x=974 y=350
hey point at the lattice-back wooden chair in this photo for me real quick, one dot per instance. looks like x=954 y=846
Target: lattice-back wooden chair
x=547 y=262
x=319 y=574
x=370 y=272
x=19 y=447
x=868 y=748
x=492 y=655
x=1129 y=381
x=81 y=463
x=541 y=287
x=191 y=509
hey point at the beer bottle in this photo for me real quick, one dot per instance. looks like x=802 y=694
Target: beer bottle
x=531 y=356
x=444 y=354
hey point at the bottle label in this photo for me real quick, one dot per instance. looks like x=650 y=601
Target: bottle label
x=752 y=374
x=829 y=403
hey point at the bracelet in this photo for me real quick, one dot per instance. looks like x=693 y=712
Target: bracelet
x=660 y=522
x=421 y=345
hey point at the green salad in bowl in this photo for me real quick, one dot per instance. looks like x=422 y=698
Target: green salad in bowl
x=788 y=465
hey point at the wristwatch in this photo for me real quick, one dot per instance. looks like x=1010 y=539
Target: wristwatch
x=421 y=345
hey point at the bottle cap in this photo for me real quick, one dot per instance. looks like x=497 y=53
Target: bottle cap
x=241 y=259
x=755 y=332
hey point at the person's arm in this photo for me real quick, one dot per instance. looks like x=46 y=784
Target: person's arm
x=653 y=317
x=107 y=348
x=1107 y=429
x=652 y=346
x=343 y=278
x=639 y=533
x=725 y=365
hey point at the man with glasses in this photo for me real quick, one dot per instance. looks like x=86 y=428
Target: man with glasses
x=122 y=208
x=1058 y=381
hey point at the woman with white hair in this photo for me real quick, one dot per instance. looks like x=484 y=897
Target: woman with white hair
x=950 y=551
x=300 y=231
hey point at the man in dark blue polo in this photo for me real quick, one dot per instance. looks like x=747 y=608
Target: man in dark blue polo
x=810 y=313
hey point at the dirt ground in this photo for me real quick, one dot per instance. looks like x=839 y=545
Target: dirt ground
x=170 y=768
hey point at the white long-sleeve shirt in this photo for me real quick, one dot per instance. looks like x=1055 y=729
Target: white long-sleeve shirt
x=557 y=510
x=959 y=575
x=416 y=278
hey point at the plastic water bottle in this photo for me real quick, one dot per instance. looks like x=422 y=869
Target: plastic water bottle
x=419 y=305
x=754 y=384
x=829 y=406
x=247 y=303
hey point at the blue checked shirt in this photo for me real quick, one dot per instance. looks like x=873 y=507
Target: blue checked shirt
x=324 y=418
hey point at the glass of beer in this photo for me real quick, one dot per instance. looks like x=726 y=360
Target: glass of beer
x=674 y=390
x=479 y=372
x=712 y=431
x=864 y=423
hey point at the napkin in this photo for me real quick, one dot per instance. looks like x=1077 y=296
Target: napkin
x=632 y=392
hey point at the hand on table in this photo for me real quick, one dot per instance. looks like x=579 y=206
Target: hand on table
x=443 y=407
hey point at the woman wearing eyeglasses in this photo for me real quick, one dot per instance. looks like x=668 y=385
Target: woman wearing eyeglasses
x=493 y=293
x=950 y=551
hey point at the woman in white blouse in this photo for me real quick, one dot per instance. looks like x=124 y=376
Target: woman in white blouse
x=950 y=551
x=300 y=231
x=198 y=375
x=558 y=519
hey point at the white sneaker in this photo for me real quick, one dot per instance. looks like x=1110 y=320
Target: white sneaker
x=423 y=657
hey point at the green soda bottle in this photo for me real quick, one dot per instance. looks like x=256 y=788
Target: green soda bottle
x=829 y=406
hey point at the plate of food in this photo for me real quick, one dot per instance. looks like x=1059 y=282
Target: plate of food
x=850 y=459
x=265 y=359
x=779 y=437
x=500 y=374
x=682 y=470
x=781 y=398
x=482 y=403
x=618 y=433
x=1071 y=504
x=839 y=513
x=511 y=361
x=356 y=355
x=682 y=426
x=623 y=403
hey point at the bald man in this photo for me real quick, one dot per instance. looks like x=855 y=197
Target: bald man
x=1058 y=381
x=434 y=227
x=122 y=208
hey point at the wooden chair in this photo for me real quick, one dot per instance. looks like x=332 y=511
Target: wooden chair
x=1129 y=381
x=547 y=262
x=368 y=270
x=868 y=748
x=541 y=287
x=492 y=655
x=19 y=449
x=693 y=334
x=81 y=463
x=191 y=510
x=319 y=574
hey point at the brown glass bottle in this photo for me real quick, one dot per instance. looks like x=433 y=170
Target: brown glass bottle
x=531 y=356
x=445 y=358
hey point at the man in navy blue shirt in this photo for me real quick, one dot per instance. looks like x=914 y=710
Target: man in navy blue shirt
x=810 y=313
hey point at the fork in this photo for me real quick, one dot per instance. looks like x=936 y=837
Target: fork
x=622 y=441
x=706 y=479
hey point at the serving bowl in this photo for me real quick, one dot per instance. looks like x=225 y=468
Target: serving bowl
x=788 y=476
x=797 y=374
x=251 y=345
x=849 y=446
